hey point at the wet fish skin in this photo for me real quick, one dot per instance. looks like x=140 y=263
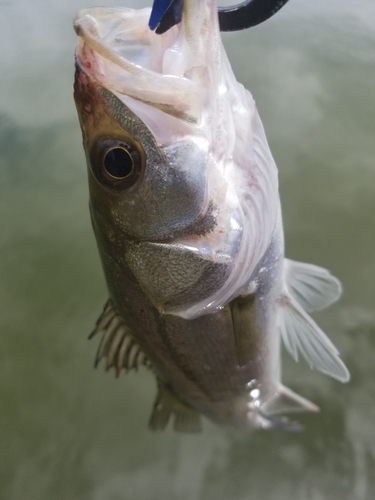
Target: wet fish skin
x=131 y=215
x=194 y=256
x=195 y=358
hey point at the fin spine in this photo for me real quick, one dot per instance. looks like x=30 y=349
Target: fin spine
x=117 y=344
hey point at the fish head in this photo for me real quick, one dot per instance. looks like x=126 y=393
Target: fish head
x=142 y=188
x=167 y=133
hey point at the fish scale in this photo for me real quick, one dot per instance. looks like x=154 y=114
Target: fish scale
x=186 y=212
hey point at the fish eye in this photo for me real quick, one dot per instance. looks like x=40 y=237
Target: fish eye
x=117 y=164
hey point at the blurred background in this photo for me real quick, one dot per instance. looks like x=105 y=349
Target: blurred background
x=69 y=432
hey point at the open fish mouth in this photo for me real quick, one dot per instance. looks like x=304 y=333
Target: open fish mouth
x=117 y=48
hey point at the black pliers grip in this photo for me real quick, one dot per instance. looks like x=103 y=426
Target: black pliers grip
x=167 y=13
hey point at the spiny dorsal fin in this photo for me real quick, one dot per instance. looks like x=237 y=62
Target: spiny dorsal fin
x=313 y=287
x=302 y=335
x=284 y=401
x=117 y=344
x=166 y=404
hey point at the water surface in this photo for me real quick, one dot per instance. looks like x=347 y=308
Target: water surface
x=68 y=431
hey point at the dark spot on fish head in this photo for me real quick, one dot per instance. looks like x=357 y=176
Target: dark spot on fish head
x=82 y=91
x=87 y=97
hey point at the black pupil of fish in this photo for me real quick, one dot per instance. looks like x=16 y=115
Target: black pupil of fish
x=118 y=163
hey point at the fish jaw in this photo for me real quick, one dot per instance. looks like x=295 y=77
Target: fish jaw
x=130 y=59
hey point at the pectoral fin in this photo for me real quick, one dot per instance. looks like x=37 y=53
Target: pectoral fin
x=186 y=419
x=301 y=335
x=313 y=287
x=117 y=344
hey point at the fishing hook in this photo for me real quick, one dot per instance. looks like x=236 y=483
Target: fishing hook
x=167 y=13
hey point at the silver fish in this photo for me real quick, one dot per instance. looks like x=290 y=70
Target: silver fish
x=186 y=212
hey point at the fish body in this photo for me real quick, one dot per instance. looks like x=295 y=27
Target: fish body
x=185 y=209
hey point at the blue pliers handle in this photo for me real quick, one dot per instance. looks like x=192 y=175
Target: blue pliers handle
x=167 y=13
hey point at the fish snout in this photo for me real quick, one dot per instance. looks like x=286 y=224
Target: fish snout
x=89 y=102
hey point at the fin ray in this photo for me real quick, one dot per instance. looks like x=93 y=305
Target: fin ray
x=117 y=344
x=279 y=423
x=313 y=287
x=302 y=335
x=284 y=401
x=113 y=347
x=166 y=405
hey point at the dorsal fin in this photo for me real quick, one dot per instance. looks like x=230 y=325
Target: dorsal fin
x=285 y=401
x=186 y=419
x=313 y=287
x=302 y=335
x=117 y=344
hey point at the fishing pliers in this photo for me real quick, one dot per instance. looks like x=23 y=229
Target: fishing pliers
x=167 y=13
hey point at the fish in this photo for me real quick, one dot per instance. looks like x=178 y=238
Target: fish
x=185 y=207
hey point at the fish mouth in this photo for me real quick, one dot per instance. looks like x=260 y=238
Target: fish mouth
x=118 y=50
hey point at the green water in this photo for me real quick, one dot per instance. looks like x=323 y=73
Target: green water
x=69 y=432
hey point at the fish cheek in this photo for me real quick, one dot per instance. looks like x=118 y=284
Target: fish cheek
x=166 y=202
x=180 y=194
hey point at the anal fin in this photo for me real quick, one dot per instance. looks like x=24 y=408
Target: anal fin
x=285 y=401
x=167 y=404
x=117 y=344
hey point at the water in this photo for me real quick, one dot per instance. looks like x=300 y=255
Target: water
x=68 y=431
